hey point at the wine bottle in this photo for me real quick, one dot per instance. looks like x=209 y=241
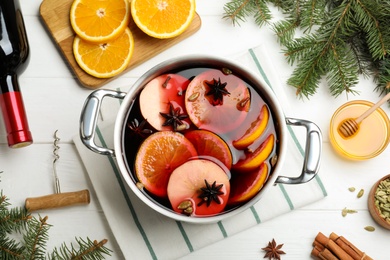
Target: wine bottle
x=14 y=58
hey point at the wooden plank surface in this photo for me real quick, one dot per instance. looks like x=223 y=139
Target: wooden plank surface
x=55 y=15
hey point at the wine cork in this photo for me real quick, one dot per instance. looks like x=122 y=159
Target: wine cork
x=58 y=200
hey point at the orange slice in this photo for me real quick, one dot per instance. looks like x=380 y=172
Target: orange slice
x=99 y=20
x=104 y=60
x=256 y=158
x=209 y=144
x=159 y=155
x=163 y=18
x=245 y=186
x=255 y=130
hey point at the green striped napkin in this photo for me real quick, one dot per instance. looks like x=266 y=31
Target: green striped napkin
x=144 y=234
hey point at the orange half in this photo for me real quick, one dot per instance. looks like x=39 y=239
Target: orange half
x=99 y=20
x=104 y=60
x=163 y=18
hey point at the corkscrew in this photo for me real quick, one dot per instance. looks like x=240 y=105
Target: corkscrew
x=57 y=199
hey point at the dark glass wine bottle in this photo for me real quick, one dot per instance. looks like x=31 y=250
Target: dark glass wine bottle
x=14 y=57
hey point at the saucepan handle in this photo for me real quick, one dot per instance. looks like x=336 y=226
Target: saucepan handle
x=312 y=159
x=89 y=118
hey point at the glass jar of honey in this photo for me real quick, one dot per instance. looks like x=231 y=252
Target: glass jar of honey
x=372 y=136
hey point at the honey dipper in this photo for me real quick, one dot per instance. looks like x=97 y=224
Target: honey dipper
x=58 y=199
x=350 y=126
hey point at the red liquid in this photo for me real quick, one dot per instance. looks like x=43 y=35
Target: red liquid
x=132 y=140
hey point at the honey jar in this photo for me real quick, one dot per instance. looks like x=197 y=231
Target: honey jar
x=370 y=140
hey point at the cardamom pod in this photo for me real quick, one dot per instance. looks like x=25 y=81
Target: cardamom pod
x=369 y=228
x=361 y=193
x=351 y=189
x=346 y=211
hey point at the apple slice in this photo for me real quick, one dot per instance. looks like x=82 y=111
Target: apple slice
x=245 y=186
x=164 y=95
x=254 y=131
x=199 y=188
x=217 y=102
x=256 y=158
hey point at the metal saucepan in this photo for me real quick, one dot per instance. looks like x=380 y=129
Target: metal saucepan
x=91 y=109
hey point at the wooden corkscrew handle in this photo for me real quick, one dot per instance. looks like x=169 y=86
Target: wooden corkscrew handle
x=58 y=200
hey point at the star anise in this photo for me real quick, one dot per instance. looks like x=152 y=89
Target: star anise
x=217 y=90
x=139 y=128
x=210 y=193
x=273 y=251
x=174 y=117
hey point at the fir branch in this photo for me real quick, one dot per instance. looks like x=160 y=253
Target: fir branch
x=342 y=39
x=342 y=70
x=86 y=250
x=262 y=13
x=12 y=220
x=365 y=16
x=285 y=30
x=10 y=248
x=36 y=238
x=382 y=78
x=312 y=14
x=237 y=11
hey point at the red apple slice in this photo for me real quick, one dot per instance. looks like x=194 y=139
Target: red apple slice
x=186 y=183
x=217 y=102
x=161 y=95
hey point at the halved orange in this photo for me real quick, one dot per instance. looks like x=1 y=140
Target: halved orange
x=256 y=158
x=157 y=157
x=163 y=18
x=209 y=144
x=254 y=131
x=99 y=20
x=104 y=60
x=245 y=186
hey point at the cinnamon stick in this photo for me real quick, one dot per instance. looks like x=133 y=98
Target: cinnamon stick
x=348 y=247
x=332 y=246
x=323 y=253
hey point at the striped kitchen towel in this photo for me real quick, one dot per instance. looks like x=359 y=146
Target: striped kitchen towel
x=144 y=234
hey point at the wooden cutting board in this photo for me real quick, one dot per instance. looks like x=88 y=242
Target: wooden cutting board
x=55 y=14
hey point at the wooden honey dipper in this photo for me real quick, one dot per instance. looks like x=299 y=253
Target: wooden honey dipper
x=350 y=126
x=57 y=199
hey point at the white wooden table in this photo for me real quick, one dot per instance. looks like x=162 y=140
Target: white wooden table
x=53 y=100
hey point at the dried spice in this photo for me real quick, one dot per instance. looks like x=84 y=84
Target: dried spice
x=382 y=199
x=139 y=128
x=346 y=211
x=217 y=90
x=165 y=84
x=210 y=193
x=361 y=193
x=273 y=251
x=369 y=228
x=174 y=117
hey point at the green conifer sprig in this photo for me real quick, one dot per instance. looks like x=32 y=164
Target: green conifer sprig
x=35 y=236
x=342 y=39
